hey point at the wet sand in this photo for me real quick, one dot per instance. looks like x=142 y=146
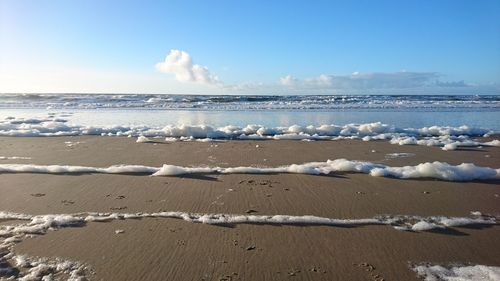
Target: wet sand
x=170 y=249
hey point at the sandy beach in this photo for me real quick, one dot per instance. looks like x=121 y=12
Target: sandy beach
x=173 y=249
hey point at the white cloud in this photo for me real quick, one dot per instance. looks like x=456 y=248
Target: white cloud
x=288 y=80
x=181 y=65
x=323 y=80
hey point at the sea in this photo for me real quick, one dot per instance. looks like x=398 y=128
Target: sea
x=405 y=111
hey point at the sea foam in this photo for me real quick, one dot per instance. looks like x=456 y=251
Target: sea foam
x=143 y=139
x=14 y=158
x=30 y=268
x=458 y=273
x=436 y=170
x=450 y=138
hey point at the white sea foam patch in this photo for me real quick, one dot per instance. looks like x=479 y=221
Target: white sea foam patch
x=450 y=146
x=73 y=143
x=52 y=126
x=40 y=224
x=142 y=139
x=22 y=267
x=436 y=170
x=66 y=169
x=447 y=137
x=447 y=142
x=458 y=273
x=399 y=155
x=14 y=158
x=34 y=268
x=29 y=268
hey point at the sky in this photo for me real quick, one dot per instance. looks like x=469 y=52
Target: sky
x=250 y=47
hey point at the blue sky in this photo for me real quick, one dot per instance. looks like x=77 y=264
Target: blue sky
x=263 y=47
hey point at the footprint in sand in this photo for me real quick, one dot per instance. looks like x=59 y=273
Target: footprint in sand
x=37 y=194
x=293 y=272
x=371 y=270
x=229 y=277
x=67 y=202
x=267 y=183
x=317 y=269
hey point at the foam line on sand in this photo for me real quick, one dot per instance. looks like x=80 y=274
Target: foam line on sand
x=34 y=268
x=436 y=170
x=447 y=137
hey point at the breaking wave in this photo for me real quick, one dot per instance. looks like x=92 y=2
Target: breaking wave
x=247 y=102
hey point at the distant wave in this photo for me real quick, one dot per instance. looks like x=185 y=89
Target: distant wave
x=230 y=102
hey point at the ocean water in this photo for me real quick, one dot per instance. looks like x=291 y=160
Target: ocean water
x=412 y=111
x=230 y=103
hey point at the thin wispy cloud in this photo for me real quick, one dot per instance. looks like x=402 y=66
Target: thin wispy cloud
x=360 y=81
x=455 y=84
x=247 y=86
x=181 y=65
